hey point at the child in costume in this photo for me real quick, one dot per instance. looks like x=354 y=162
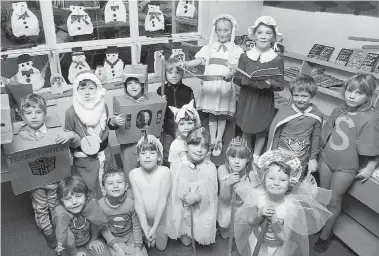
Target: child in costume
x=350 y=147
x=218 y=97
x=177 y=94
x=296 y=128
x=255 y=110
x=118 y=206
x=194 y=192
x=44 y=199
x=284 y=210
x=79 y=231
x=235 y=171
x=151 y=185
x=186 y=119
x=88 y=118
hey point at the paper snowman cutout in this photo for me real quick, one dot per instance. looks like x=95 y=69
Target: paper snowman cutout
x=99 y=72
x=114 y=11
x=154 y=20
x=113 y=66
x=27 y=74
x=78 y=22
x=78 y=64
x=186 y=9
x=23 y=21
x=178 y=54
x=158 y=57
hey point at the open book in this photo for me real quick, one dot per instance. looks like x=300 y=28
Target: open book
x=260 y=74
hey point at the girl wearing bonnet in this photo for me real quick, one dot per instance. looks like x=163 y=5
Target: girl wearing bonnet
x=88 y=118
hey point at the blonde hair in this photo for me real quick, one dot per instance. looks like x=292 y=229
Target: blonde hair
x=33 y=100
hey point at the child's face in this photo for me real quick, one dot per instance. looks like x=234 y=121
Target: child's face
x=33 y=116
x=196 y=153
x=184 y=127
x=224 y=30
x=355 y=98
x=74 y=202
x=134 y=88
x=236 y=163
x=87 y=91
x=174 y=76
x=277 y=182
x=115 y=185
x=148 y=159
x=263 y=37
x=301 y=99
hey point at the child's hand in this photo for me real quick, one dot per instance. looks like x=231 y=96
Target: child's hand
x=64 y=137
x=192 y=197
x=118 y=120
x=164 y=97
x=365 y=174
x=312 y=165
x=152 y=235
x=96 y=246
x=267 y=210
x=228 y=76
x=245 y=80
x=81 y=254
x=232 y=179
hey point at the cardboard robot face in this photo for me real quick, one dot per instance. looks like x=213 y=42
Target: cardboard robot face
x=25 y=66
x=112 y=57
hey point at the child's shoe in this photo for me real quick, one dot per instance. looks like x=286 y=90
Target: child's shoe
x=218 y=149
x=322 y=245
x=51 y=240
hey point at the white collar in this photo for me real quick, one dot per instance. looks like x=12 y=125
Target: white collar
x=268 y=56
x=42 y=129
x=309 y=109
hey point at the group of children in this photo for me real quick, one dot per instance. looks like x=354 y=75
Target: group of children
x=175 y=191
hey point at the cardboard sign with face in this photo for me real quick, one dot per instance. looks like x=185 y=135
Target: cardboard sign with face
x=78 y=22
x=78 y=64
x=186 y=9
x=27 y=74
x=154 y=20
x=114 y=11
x=113 y=66
x=23 y=21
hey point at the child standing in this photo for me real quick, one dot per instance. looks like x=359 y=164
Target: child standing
x=44 y=199
x=285 y=218
x=194 y=192
x=118 y=206
x=218 y=98
x=236 y=170
x=296 y=128
x=151 y=185
x=350 y=146
x=177 y=94
x=255 y=110
x=88 y=118
x=81 y=238
x=186 y=119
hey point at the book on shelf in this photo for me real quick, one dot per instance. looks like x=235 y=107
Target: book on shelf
x=356 y=59
x=325 y=53
x=260 y=74
x=315 y=51
x=370 y=62
x=344 y=56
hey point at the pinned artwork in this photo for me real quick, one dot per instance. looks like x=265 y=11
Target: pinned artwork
x=78 y=22
x=78 y=64
x=154 y=20
x=113 y=66
x=186 y=9
x=114 y=11
x=58 y=84
x=23 y=21
x=178 y=54
x=99 y=72
x=158 y=57
x=27 y=74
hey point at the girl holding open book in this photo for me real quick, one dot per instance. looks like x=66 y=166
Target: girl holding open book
x=255 y=109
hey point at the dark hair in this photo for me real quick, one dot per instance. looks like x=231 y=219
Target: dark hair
x=112 y=171
x=366 y=83
x=33 y=100
x=133 y=79
x=85 y=82
x=197 y=136
x=304 y=83
x=72 y=184
x=285 y=168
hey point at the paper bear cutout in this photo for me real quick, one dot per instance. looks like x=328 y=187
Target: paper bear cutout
x=114 y=11
x=186 y=9
x=27 y=74
x=78 y=64
x=154 y=20
x=78 y=22
x=113 y=67
x=23 y=21
x=178 y=54
x=99 y=72
x=58 y=84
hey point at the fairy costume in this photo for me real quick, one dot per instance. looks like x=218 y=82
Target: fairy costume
x=300 y=213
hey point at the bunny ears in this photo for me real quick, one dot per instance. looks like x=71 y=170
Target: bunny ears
x=188 y=109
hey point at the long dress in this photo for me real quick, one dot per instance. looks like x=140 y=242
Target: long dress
x=256 y=107
x=218 y=97
x=202 y=179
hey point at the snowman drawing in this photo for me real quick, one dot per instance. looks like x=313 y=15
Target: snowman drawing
x=27 y=74
x=78 y=22
x=78 y=64
x=114 y=11
x=154 y=20
x=23 y=21
x=113 y=66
